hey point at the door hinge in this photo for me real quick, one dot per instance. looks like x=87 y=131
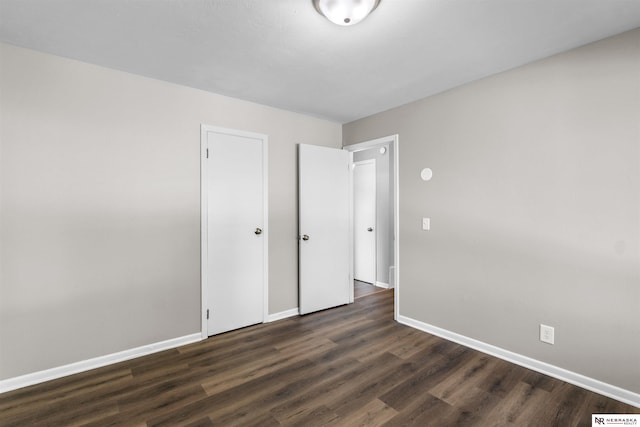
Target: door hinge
x=207 y=313
x=207 y=153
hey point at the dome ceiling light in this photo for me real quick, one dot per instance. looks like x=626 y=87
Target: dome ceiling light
x=345 y=12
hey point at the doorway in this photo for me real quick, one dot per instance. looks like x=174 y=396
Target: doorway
x=325 y=228
x=234 y=243
x=385 y=153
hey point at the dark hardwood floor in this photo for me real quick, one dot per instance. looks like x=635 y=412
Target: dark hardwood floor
x=362 y=289
x=349 y=366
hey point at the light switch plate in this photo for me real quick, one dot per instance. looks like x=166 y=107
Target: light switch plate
x=426 y=223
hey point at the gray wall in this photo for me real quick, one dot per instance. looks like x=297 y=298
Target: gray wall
x=384 y=208
x=535 y=208
x=100 y=207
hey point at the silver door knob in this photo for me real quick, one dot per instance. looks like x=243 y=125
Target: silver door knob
x=258 y=231
x=305 y=237
x=369 y=229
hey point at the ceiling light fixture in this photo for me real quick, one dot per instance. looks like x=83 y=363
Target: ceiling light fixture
x=345 y=12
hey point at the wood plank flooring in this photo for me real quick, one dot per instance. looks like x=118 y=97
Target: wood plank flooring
x=349 y=366
x=362 y=289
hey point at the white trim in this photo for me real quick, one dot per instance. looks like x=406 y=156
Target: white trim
x=396 y=225
x=394 y=141
x=96 y=362
x=204 y=231
x=382 y=285
x=265 y=221
x=204 y=129
x=571 y=377
x=360 y=146
x=283 y=314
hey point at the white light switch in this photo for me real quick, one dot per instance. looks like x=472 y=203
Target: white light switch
x=426 y=223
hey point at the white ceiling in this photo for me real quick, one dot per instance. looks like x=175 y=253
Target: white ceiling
x=282 y=53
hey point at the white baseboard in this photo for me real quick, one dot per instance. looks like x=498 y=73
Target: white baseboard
x=574 y=378
x=283 y=315
x=382 y=285
x=96 y=362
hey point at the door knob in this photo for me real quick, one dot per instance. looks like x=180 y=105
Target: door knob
x=258 y=231
x=305 y=237
x=369 y=229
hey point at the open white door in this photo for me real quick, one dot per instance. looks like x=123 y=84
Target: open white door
x=324 y=220
x=364 y=221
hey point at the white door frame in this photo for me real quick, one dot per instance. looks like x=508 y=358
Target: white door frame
x=393 y=141
x=204 y=193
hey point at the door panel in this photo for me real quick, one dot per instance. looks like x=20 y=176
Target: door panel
x=324 y=247
x=364 y=221
x=235 y=246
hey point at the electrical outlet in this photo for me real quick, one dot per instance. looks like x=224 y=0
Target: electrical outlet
x=547 y=334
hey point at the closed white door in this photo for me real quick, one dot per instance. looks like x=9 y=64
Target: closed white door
x=236 y=239
x=364 y=221
x=324 y=226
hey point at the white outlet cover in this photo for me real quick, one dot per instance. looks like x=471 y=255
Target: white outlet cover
x=547 y=334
